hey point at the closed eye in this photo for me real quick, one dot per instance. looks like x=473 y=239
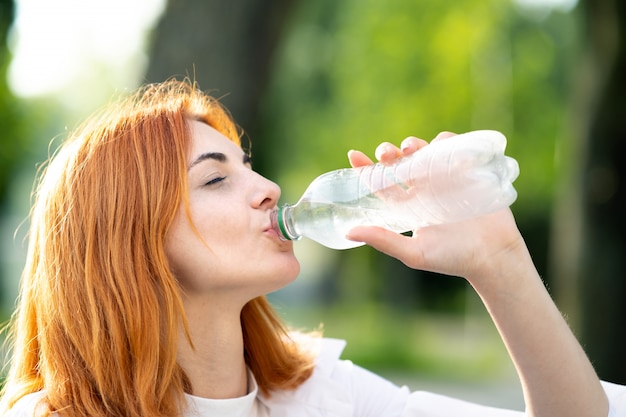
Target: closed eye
x=215 y=181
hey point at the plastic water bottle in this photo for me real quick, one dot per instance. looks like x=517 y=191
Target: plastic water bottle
x=447 y=181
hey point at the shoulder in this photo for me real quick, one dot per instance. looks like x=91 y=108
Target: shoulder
x=338 y=387
x=617 y=398
x=26 y=406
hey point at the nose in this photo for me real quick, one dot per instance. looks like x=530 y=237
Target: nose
x=266 y=193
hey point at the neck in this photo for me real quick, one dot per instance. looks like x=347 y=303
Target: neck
x=215 y=364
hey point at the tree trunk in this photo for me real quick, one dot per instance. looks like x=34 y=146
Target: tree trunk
x=590 y=243
x=226 y=46
x=604 y=192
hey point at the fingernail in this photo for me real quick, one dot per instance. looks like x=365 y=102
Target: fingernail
x=381 y=150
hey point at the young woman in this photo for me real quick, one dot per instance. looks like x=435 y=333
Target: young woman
x=151 y=250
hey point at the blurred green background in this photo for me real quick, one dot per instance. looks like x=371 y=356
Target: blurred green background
x=310 y=80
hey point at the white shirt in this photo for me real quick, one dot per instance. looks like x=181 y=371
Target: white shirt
x=339 y=388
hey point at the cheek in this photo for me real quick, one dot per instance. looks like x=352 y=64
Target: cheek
x=178 y=248
x=195 y=252
x=215 y=217
x=190 y=260
x=184 y=245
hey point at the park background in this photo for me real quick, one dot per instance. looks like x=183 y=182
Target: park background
x=309 y=80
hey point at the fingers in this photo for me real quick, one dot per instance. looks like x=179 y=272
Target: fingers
x=412 y=144
x=444 y=135
x=358 y=159
x=389 y=243
x=387 y=152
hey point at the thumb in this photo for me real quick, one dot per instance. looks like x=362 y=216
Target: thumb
x=390 y=243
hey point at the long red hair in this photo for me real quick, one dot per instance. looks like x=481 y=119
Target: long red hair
x=99 y=310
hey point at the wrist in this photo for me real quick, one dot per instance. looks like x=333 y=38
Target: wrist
x=507 y=269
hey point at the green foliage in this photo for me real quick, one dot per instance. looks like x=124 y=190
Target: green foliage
x=25 y=128
x=12 y=137
x=435 y=345
x=352 y=74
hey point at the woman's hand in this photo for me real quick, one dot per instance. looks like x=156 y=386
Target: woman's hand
x=489 y=252
x=469 y=249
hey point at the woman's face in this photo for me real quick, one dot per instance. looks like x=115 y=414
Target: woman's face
x=233 y=250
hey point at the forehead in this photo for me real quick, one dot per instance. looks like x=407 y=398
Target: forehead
x=205 y=138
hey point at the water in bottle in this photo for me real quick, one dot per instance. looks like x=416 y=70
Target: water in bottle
x=447 y=181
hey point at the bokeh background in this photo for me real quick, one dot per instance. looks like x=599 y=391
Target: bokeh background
x=310 y=80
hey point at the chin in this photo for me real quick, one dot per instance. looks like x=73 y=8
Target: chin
x=288 y=274
x=294 y=271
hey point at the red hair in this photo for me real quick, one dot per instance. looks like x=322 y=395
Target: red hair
x=99 y=310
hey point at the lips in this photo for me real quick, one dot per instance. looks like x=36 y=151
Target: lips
x=270 y=231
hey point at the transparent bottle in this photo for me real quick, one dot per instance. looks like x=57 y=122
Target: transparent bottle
x=447 y=181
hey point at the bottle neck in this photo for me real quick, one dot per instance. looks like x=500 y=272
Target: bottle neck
x=282 y=223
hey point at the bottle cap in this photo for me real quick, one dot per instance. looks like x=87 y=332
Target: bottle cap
x=281 y=224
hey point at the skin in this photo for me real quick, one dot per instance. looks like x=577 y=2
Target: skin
x=235 y=256
x=556 y=376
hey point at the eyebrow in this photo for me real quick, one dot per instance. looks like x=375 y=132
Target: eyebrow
x=217 y=156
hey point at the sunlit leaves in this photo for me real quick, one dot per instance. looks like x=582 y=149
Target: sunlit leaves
x=355 y=73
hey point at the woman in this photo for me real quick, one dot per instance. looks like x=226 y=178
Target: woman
x=150 y=253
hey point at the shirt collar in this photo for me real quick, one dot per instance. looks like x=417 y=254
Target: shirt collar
x=245 y=406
